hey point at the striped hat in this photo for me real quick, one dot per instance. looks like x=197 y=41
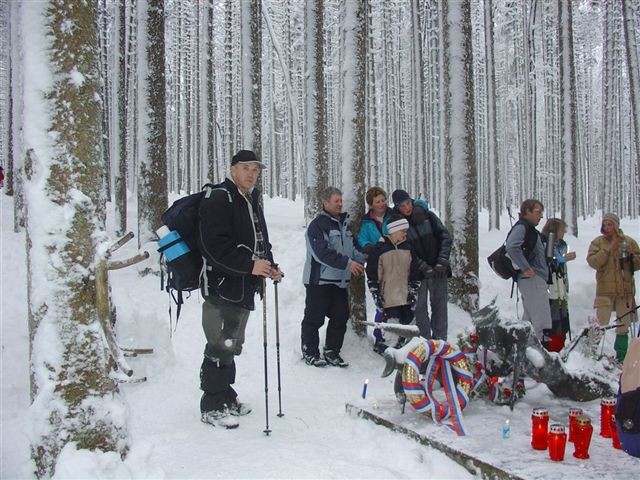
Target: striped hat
x=397 y=226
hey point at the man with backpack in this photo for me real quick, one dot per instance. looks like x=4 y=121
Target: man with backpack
x=235 y=247
x=525 y=249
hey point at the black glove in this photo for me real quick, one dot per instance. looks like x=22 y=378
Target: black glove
x=374 y=288
x=440 y=269
x=426 y=271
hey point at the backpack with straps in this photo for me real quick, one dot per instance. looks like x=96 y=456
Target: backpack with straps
x=180 y=257
x=501 y=263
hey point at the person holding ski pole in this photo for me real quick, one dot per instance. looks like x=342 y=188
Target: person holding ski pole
x=234 y=243
x=557 y=256
x=615 y=256
x=333 y=256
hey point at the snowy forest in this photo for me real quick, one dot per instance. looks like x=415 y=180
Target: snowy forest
x=470 y=104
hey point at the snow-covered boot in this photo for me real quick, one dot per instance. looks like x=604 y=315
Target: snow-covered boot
x=238 y=409
x=333 y=358
x=219 y=418
x=620 y=346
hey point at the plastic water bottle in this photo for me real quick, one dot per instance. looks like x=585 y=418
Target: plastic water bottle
x=506 y=429
x=170 y=243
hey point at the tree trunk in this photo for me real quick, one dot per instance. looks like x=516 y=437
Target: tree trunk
x=315 y=121
x=73 y=395
x=461 y=206
x=152 y=178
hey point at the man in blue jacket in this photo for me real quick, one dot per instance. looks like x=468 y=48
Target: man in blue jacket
x=234 y=243
x=332 y=257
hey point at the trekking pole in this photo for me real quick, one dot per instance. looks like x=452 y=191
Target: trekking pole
x=266 y=430
x=275 y=287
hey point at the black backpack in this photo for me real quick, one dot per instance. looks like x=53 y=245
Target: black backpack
x=500 y=262
x=184 y=272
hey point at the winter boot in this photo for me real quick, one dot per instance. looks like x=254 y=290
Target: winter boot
x=333 y=358
x=313 y=359
x=379 y=347
x=620 y=346
x=238 y=409
x=219 y=418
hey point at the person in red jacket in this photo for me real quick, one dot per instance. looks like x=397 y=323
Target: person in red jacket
x=1 y=177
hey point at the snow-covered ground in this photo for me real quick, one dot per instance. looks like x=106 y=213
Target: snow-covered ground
x=315 y=438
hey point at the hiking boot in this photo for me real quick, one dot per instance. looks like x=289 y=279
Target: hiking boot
x=620 y=346
x=314 y=359
x=219 y=418
x=333 y=358
x=380 y=347
x=402 y=341
x=238 y=409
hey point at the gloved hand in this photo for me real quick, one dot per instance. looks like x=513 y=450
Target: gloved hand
x=426 y=271
x=374 y=288
x=441 y=269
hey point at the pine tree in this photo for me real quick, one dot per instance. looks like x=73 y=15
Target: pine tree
x=72 y=392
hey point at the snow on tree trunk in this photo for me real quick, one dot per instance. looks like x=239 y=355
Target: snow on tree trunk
x=251 y=32
x=633 y=68
x=74 y=399
x=120 y=183
x=315 y=111
x=461 y=202
x=491 y=130
x=152 y=183
x=353 y=137
x=568 y=118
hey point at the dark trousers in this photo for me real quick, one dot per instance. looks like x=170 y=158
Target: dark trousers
x=224 y=325
x=324 y=301
x=402 y=314
x=433 y=291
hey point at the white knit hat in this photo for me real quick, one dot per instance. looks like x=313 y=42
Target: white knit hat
x=397 y=226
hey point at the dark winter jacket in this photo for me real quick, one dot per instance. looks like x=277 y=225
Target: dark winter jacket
x=392 y=273
x=525 y=249
x=428 y=236
x=330 y=249
x=228 y=240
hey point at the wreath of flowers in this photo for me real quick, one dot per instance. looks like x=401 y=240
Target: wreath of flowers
x=433 y=360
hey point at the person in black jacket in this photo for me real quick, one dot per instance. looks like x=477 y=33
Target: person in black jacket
x=432 y=243
x=234 y=243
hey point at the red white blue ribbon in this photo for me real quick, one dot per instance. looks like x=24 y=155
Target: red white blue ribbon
x=443 y=361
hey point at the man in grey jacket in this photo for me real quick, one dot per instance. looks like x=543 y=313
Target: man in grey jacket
x=332 y=257
x=524 y=247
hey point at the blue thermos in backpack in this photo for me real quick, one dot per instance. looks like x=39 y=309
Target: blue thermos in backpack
x=171 y=244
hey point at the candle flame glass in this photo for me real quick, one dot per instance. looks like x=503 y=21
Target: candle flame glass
x=539 y=427
x=615 y=438
x=557 y=442
x=573 y=414
x=607 y=408
x=582 y=436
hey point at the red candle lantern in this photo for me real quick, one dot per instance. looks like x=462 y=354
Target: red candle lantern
x=557 y=442
x=582 y=436
x=574 y=412
x=615 y=438
x=607 y=407
x=539 y=427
